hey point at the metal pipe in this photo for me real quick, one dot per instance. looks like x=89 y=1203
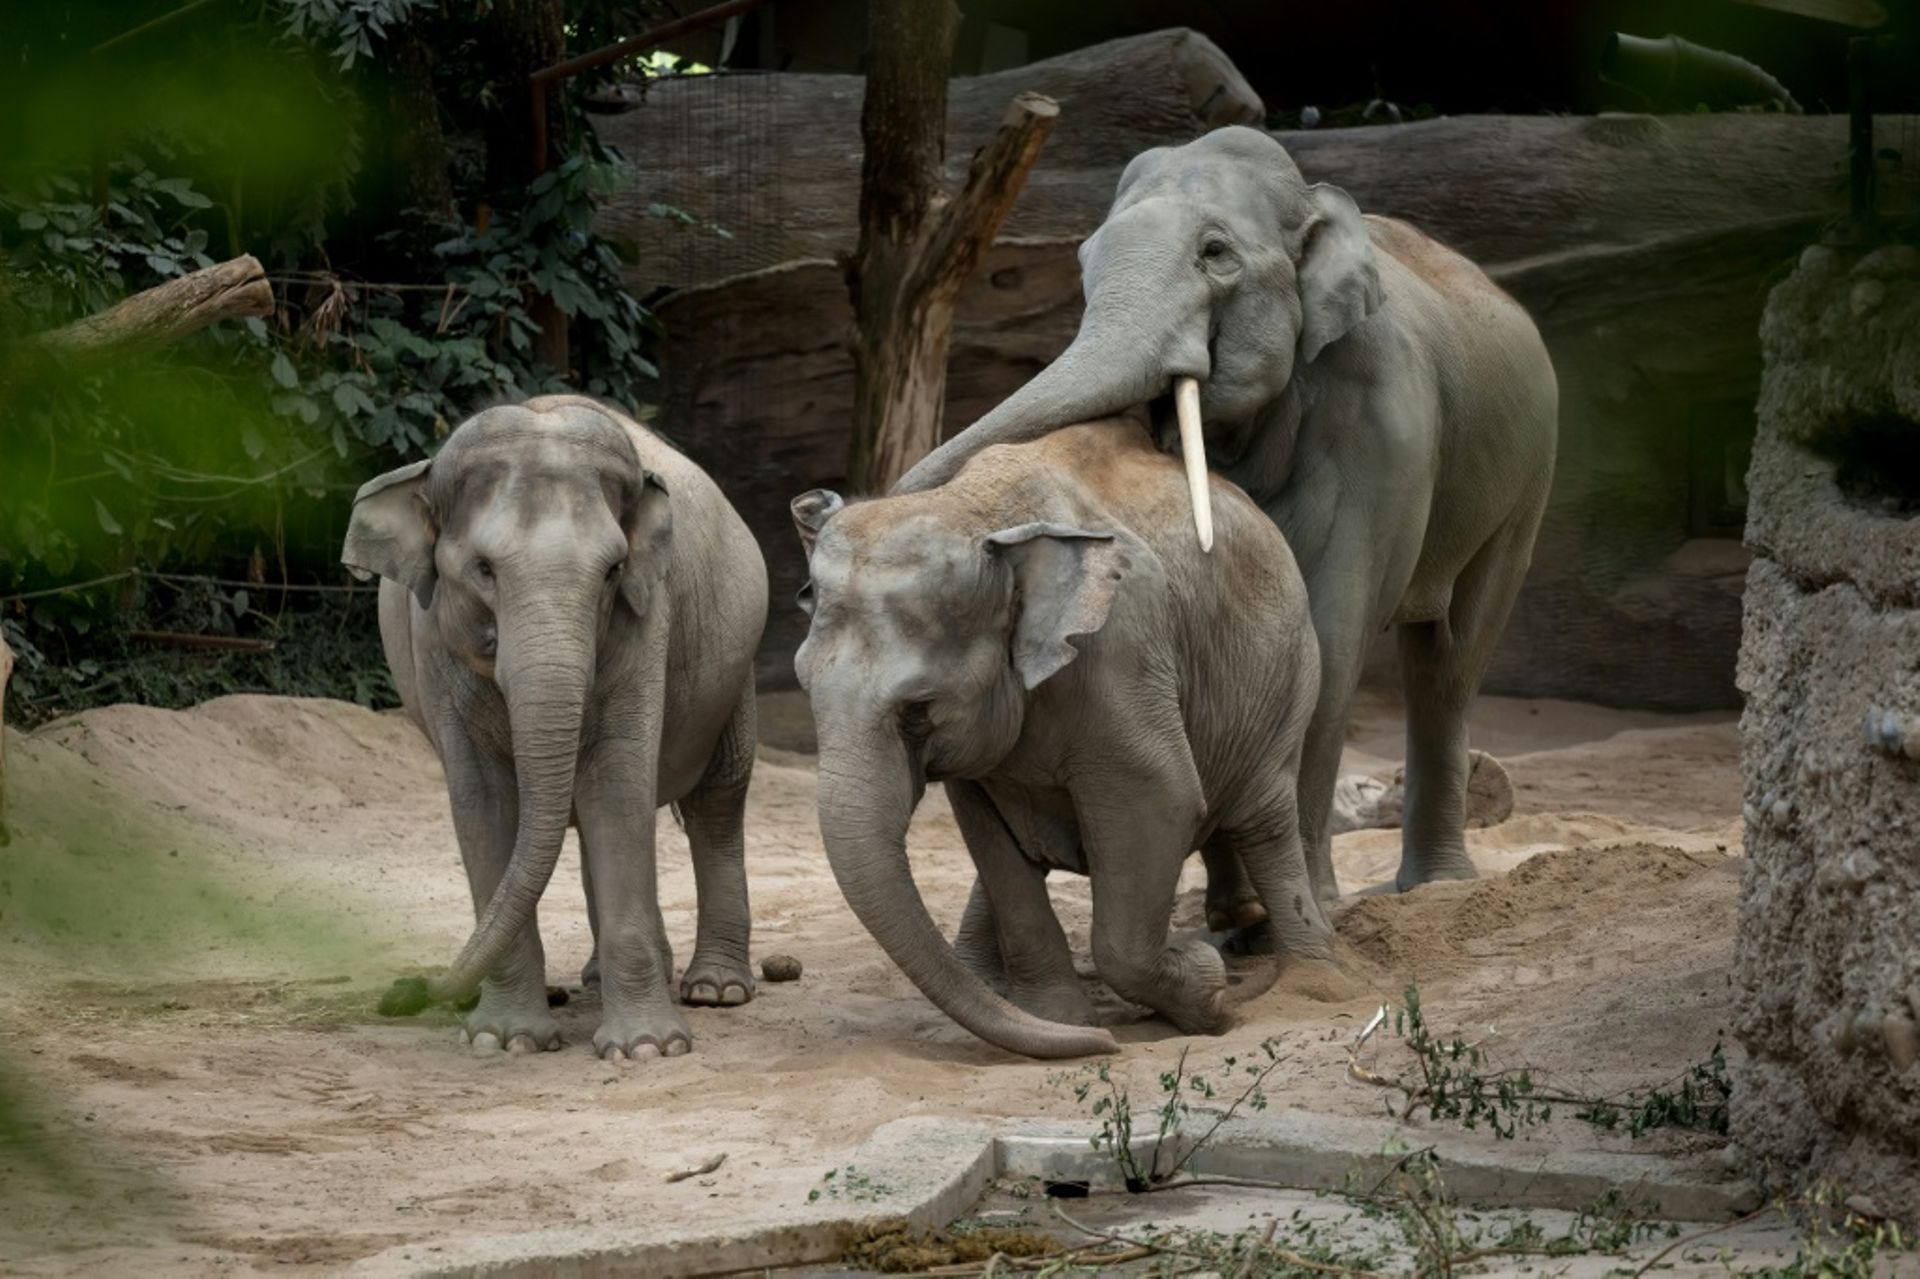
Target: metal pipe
x=1672 y=72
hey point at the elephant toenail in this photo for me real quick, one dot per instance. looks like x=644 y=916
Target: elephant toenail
x=613 y=1053
x=521 y=1045
x=704 y=992
x=734 y=994
x=677 y=1047
x=486 y=1041
x=465 y=1039
x=644 y=1051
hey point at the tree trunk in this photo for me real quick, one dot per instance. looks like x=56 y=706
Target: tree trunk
x=417 y=146
x=232 y=290
x=522 y=37
x=917 y=247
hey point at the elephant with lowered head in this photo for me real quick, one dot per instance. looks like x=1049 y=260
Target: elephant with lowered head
x=1389 y=408
x=1044 y=636
x=570 y=609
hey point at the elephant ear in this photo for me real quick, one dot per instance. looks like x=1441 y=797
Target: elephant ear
x=1339 y=282
x=1065 y=581
x=649 y=524
x=811 y=511
x=392 y=531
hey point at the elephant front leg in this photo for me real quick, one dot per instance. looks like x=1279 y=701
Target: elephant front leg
x=1032 y=949
x=715 y=814
x=614 y=804
x=1138 y=828
x=512 y=1012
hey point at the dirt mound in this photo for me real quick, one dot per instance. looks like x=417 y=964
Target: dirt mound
x=1443 y=928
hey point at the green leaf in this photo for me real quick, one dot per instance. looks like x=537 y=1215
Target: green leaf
x=181 y=189
x=32 y=221
x=108 y=525
x=283 y=370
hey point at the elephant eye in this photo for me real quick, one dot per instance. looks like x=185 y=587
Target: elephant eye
x=916 y=719
x=1213 y=249
x=484 y=567
x=613 y=570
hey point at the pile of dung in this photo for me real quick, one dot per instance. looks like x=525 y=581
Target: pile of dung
x=896 y=1247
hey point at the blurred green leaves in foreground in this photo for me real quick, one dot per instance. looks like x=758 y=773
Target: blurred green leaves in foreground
x=372 y=154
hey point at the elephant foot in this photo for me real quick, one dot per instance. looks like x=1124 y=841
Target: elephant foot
x=590 y=975
x=1450 y=866
x=504 y=1022
x=1191 y=990
x=642 y=1036
x=716 y=983
x=1064 y=1001
x=1225 y=917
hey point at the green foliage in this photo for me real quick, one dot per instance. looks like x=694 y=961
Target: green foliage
x=239 y=447
x=1700 y=1104
x=1456 y=1083
x=849 y=1184
x=1109 y=1102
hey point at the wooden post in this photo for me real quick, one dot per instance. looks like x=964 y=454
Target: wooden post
x=917 y=245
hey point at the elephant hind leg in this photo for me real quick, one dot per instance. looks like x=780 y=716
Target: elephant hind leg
x=721 y=971
x=1441 y=665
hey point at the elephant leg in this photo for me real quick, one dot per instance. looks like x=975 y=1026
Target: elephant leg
x=614 y=798
x=977 y=942
x=1232 y=901
x=1033 y=948
x=1138 y=827
x=1342 y=645
x=512 y=1012
x=1441 y=664
x=590 y=974
x=715 y=814
x=1267 y=844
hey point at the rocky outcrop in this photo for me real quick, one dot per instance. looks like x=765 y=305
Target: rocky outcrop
x=1829 y=946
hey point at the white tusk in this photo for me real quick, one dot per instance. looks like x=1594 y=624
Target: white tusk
x=1193 y=450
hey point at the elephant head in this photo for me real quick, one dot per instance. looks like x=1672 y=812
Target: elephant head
x=521 y=540
x=1218 y=276
x=926 y=638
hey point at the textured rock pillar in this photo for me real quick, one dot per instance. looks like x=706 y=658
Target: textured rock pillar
x=1828 y=964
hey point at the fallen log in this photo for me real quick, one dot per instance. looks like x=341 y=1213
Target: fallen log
x=231 y=290
x=774 y=160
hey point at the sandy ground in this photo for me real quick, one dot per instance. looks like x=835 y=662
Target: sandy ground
x=201 y=907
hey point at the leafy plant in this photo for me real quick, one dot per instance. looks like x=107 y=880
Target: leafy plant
x=1700 y=1104
x=1112 y=1105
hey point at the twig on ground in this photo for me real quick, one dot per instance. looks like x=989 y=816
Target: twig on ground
x=1697 y=1236
x=1281 y=1254
x=700 y=1171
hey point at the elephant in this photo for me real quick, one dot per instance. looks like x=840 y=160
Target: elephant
x=570 y=609
x=1042 y=636
x=1389 y=407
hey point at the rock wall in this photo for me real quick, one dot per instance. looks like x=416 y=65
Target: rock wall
x=1828 y=961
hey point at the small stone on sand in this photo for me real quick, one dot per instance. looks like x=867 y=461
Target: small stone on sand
x=780 y=968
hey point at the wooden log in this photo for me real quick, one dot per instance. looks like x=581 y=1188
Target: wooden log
x=231 y=290
x=774 y=160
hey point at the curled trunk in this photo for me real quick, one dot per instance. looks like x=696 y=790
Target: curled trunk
x=866 y=801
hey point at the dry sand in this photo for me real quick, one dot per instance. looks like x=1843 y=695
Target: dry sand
x=201 y=907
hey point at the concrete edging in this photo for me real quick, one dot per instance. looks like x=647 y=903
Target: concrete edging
x=930 y=1171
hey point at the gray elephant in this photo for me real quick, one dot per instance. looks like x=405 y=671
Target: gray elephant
x=570 y=609
x=1390 y=408
x=1043 y=635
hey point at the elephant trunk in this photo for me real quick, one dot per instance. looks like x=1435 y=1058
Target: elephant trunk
x=866 y=802
x=544 y=669
x=1114 y=363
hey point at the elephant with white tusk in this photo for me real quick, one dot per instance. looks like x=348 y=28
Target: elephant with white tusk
x=1390 y=409
x=1044 y=636
x=570 y=609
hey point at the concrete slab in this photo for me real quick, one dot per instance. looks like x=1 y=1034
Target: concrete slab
x=932 y=1171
